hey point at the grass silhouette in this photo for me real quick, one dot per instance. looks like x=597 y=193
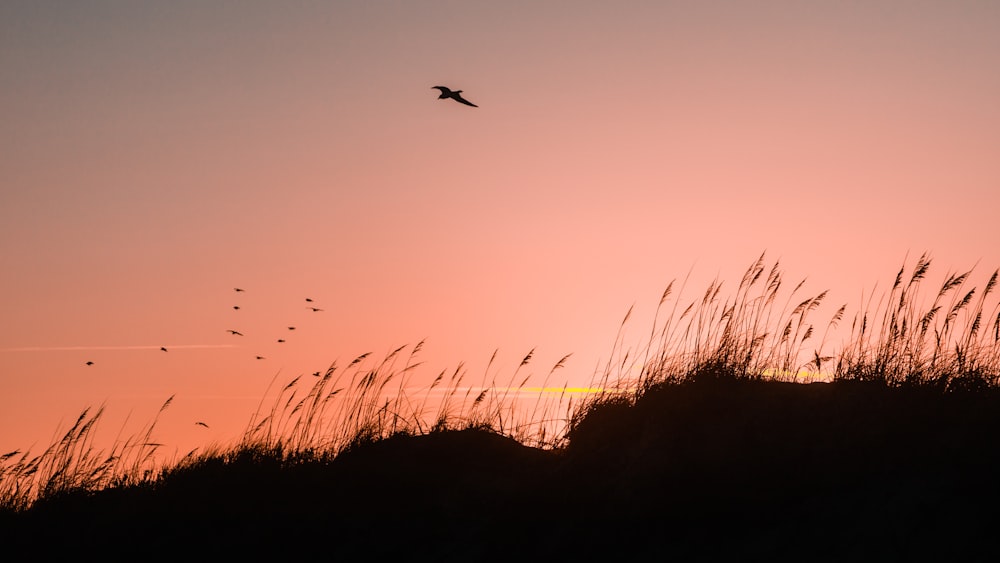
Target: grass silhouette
x=699 y=444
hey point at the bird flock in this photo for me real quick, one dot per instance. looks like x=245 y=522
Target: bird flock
x=234 y=332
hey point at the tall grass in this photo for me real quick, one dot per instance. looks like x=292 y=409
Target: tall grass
x=755 y=332
x=72 y=463
x=308 y=418
x=758 y=331
x=363 y=403
x=949 y=343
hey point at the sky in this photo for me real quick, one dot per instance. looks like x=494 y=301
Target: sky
x=156 y=155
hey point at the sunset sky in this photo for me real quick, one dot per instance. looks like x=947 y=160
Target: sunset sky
x=156 y=155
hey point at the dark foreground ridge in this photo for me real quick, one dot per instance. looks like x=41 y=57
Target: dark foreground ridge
x=715 y=469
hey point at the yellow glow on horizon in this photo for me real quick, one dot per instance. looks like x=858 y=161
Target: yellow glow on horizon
x=574 y=390
x=802 y=376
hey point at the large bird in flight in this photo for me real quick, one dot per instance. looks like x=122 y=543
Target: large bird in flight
x=453 y=94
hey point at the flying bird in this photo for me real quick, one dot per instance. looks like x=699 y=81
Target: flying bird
x=261 y=358
x=308 y=300
x=314 y=309
x=164 y=348
x=280 y=340
x=236 y=307
x=237 y=289
x=453 y=94
x=291 y=328
x=316 y=374
x=199 y=423
x=235 y=332
x=90 y=363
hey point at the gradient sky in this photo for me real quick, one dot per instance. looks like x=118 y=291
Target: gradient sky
x=154 y=155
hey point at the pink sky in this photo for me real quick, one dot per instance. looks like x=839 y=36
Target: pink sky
x=155 y=155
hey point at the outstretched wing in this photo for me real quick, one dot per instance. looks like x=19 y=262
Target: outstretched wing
x=459 y=98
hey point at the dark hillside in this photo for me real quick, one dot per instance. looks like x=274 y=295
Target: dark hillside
x=841 y=470
x=708 y=469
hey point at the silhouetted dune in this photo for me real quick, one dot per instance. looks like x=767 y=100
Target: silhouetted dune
x=839 y=471
x=708 y=469
x=706 y=455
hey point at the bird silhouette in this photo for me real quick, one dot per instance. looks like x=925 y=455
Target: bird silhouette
x=236 y=307
x=199 y=423
x=453 y=94
x=237 y=289
x=314 y=309
x=316 y=374
x=308 y=300
x=261 y=358
x=164 y=348
x=90 y=363
x=235 y=332
x=280 y=340
x=291 y=328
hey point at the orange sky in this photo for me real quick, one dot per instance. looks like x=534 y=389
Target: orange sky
x=155 y=155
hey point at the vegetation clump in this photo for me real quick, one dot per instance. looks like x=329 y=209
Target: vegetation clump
x=714 y=449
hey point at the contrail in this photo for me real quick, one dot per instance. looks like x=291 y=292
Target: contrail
x=76 y=348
